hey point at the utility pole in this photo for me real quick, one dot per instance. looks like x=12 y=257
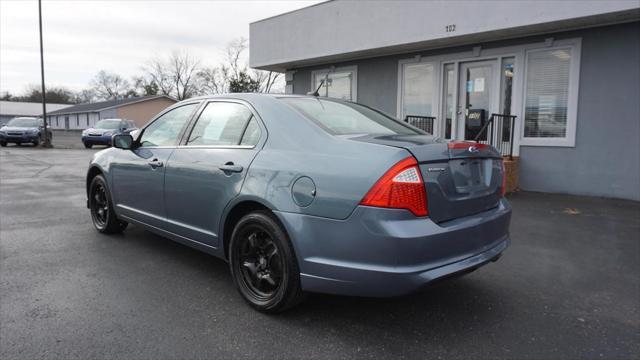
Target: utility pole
x=47 y=139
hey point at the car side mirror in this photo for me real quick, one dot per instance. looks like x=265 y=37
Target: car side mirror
x=134 y=133
x=122 y=141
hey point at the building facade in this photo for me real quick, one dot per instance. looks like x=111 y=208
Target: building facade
x=567 y=73
x=12 y=109
x=83 y=116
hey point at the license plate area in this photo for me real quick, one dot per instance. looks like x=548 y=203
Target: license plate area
x=471 y=175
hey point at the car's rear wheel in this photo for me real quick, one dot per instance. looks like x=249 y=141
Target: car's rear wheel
x=263 y=263
x=101 y=208
x=87 y=145
x=3 y=143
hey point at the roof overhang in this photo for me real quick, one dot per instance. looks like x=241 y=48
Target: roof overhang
x=346 y=30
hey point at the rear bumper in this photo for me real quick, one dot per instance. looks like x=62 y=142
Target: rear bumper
x=97 y=140
x=387 y=252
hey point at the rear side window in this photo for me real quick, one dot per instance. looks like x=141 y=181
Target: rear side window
x=221 y=123
x=344 y=118
x=251 y=134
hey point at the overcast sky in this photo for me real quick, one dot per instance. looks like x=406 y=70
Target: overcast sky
x=83 y=37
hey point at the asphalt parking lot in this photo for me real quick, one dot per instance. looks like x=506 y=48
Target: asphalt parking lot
x=568 y=287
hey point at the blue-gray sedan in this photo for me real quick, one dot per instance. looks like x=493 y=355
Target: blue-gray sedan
x=305 y=194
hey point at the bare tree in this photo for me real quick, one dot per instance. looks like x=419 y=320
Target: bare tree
x=234 y=72
x=235 y=51
x=174 y=75
x=109 y=86
x=85 y=96
x=266 y=79
x=182 y=69
x=156 y=71
x=212 y=80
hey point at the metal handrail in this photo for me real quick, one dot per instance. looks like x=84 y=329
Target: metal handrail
x=501 y=142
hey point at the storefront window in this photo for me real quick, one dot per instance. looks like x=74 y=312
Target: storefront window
x=547 y=93
x=418 y=87
x=337 y=84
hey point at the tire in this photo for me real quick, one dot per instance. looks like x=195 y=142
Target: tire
x=101 y=207
x=36 y=142
x=263 y=263
x=3 y=144
x=88 y=146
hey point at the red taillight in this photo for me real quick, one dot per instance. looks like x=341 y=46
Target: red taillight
x=503 y=189
x=400 y=188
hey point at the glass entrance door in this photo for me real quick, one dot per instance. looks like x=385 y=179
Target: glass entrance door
x=476 y=98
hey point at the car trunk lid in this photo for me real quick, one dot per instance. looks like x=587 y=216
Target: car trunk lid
x=461 y=178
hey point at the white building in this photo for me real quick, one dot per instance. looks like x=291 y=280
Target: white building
x=11 y=109
x=566 y=73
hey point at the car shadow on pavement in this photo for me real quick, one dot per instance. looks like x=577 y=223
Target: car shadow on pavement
x=457 y=301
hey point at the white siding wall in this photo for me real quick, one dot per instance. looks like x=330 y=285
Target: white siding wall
x=93 y=119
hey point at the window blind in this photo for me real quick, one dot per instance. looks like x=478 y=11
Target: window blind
x=547 y=93
x=418 y=89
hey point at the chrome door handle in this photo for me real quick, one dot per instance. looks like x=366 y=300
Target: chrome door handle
x=230 y=167
x=155 y=163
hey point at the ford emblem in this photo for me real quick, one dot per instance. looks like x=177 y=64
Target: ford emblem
x=473 y=149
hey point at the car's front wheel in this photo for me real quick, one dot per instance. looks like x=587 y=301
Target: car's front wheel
x=87 y=145
x=36 y=142
x=263 y=263
x=101 y=207
x=3 y=143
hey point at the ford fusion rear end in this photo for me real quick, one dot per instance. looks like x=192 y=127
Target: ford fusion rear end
x=437 y=212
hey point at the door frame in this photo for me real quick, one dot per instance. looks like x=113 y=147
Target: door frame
x=494 y=101
x=473 y=54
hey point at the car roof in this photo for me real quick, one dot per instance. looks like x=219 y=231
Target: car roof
x=245 y=96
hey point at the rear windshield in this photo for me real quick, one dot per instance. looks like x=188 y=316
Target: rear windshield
x=345 y=118
x=24 y=122
x=108 y=124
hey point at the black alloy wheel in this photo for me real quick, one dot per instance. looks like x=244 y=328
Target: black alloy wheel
x=102 y=214
x=263 y=264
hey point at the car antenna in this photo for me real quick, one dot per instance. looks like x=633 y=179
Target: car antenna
x=316 y=93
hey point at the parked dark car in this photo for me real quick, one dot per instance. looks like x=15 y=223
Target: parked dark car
x=303 y=193
x=23 y=130
x=104 y=130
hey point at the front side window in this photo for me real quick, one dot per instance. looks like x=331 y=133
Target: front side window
x=339 y=84
x=221 y=123
x=345 y=118
x=547 y=93
x=165 y=130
